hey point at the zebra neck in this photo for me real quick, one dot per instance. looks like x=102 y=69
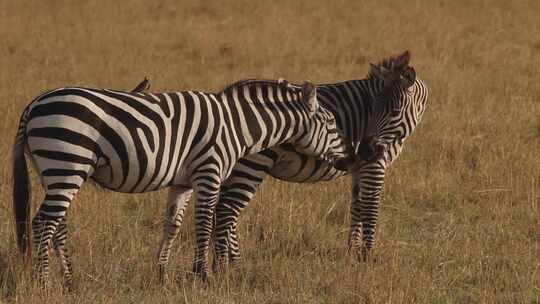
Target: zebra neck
x=275 y=132
x=353 y=104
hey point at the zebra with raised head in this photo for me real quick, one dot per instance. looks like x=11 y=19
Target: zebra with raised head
x=139 y=142
x=383 y=109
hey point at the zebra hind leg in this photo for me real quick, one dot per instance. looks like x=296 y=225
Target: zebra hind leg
x=226 y=243
x=62 y=184
x=221 y=236
x=206 y=192
x=42 y=230
x=177 y=202
x=236 y=193
x=45 y=224
x=59 y=241
x=234 y=245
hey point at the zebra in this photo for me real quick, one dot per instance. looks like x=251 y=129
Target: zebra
x=60 y=236
x=382 y=109
x=136 y=142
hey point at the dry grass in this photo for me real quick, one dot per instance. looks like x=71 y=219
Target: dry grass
x=460 y=212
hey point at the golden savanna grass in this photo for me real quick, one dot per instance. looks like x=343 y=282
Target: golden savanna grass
x=460 y=212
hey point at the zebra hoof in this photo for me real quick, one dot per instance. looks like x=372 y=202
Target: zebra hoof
x=42 y=280
x=220 y=265
x=361 y=254
x=366 y=256
x=67 y=288
x=201 y=271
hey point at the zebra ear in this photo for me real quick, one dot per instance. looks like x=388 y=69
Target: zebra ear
x=402 y=60
x=284 y=83
x=374 y=70
x=379 y=71
x=309 y=96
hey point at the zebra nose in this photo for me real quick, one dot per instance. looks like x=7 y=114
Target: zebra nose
x=343 y=164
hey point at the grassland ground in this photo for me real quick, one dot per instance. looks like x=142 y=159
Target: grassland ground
x=459 y=219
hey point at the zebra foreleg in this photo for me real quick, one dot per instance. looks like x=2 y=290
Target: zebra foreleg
x=174 y=217
x=59 y=241
x=366 y=194
x=355 y=231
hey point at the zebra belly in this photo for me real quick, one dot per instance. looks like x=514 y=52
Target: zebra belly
x=154 y=177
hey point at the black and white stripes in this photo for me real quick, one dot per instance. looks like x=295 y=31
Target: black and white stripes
x=385 y=107
x=138 y=142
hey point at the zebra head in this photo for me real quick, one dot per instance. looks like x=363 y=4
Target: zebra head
x=399 y=102
x=396 y=76
x=321 y=137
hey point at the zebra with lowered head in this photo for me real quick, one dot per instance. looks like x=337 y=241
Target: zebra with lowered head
x=382 y=109
x=138 y=142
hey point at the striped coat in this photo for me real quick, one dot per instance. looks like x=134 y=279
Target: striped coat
x=376 y=115
x=138 y=142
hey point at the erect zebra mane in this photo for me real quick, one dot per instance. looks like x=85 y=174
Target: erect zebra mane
x=280 y=83
x=398 y=63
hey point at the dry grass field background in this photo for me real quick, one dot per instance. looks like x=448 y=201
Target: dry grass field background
x=460 y=214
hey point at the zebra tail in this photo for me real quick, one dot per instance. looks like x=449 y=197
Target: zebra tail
x=21 y=192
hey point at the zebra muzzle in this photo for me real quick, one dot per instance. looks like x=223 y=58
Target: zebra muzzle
x=344 y=164
x=346 y=161
x=370 y=150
